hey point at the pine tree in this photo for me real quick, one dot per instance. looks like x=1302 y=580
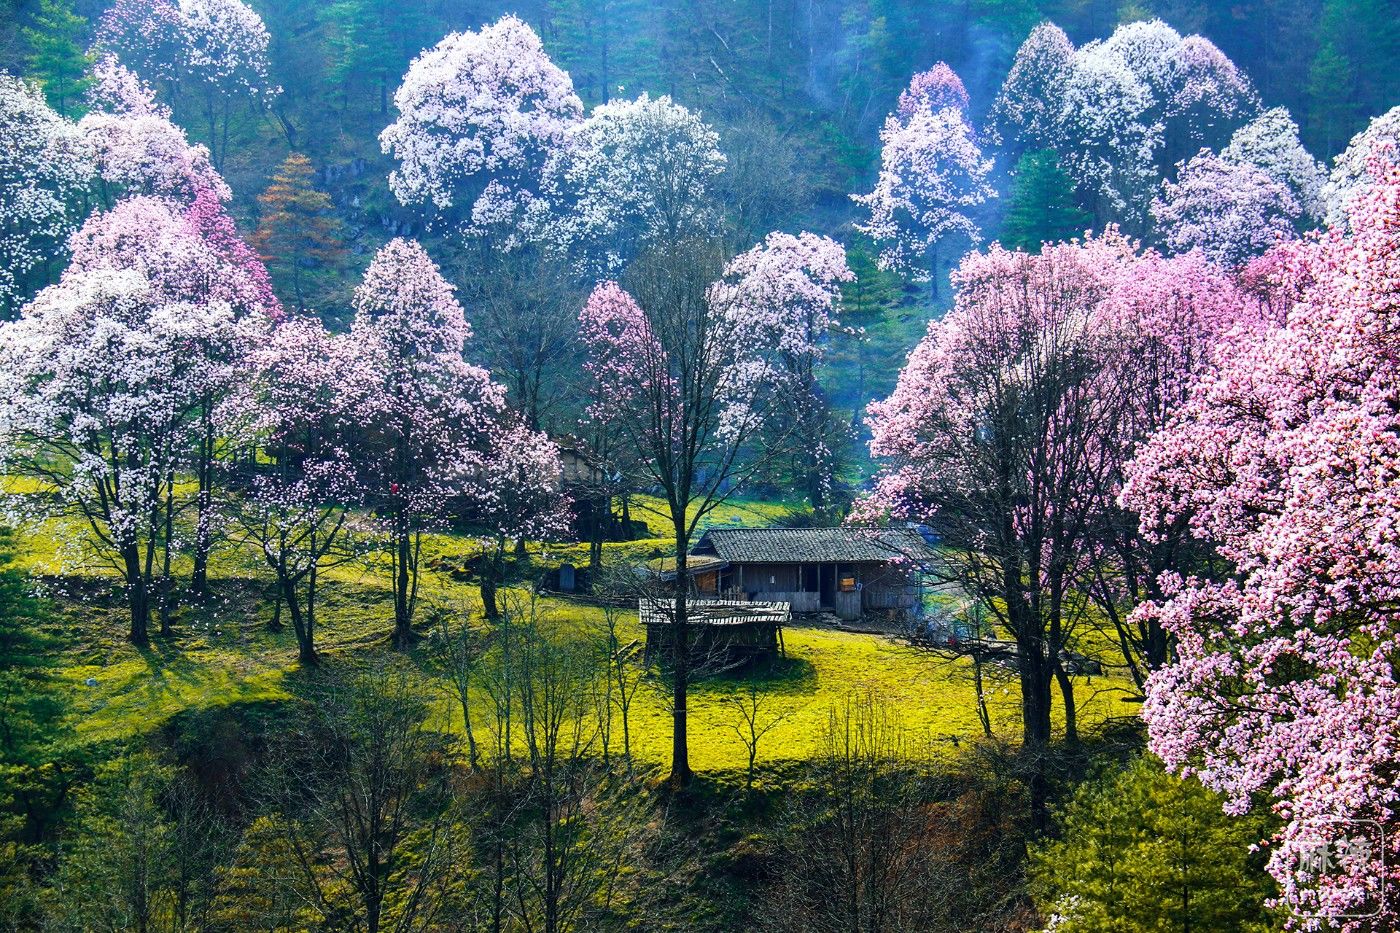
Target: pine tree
x=56 y=56
x=299 y=229
x=1142 y=851
x=1043 y=208
x=374 y=39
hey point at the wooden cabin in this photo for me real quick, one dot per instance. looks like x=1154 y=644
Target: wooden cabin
x=722 y=632
x=847 y=571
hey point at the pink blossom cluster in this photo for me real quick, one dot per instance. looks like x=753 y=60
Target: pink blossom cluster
x=1286 y=460
x=939 y=88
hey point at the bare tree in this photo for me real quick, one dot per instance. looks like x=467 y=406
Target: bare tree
x=458 y=649
x=367 y=804
x=758 y=713
x=851 y=857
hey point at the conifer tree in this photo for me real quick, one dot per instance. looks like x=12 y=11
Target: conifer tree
x=56 y=57
x=1043 y=208
x=299 y=228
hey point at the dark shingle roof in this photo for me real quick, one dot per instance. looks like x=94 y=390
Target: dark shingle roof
x=807 y=545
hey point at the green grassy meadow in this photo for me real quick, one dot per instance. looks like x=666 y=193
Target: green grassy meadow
x=224 y=653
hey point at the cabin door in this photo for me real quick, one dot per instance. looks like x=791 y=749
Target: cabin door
x=826 y=576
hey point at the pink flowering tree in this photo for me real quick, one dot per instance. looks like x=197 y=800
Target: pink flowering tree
x=137 y=149
x=932 y=176
x=189 y=255
x=427 y=438
x=210 y=55
x=636 y=175
x=1285 y=461
x=298 y=411
x=690 y=367
x=1230 y=212
x=995 y=437
x=937 y=89
x=1173 y=320
x=45 y=169
x=787 y=289
x=479 y=113
x=517 y=497
x=108 y=374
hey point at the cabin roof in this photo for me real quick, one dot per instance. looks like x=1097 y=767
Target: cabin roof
x=665 y=567
x=714 y=612
x=815 y=545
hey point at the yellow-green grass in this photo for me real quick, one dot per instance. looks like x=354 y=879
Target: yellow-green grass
x=223 y=653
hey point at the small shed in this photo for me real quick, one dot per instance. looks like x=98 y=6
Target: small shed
x=720 y=631
x=848 y=571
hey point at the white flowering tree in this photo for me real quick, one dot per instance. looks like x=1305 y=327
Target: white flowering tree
x=136 y=147
x=635 y=175
x=1352 y=173
x=210 y=55
x=1230 y=211
x=1270 y=143
x=45 y=168
x=932 y=175
x=299 y=410
x=479 y=115
x=1107 y=137
x=1027 y=108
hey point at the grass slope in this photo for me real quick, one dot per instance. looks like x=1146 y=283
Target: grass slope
x=224 y=653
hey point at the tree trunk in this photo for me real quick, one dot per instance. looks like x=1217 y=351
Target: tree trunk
x=1067 y=694
x=204 y=504
x=680 y=648
x=138 y=599
x=403 y=612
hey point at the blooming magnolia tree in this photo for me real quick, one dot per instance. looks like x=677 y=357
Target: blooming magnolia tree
x=1231 y=212
x=45 y=168
x=109 y=374
x=517 y=496
x=207 y=53
x=787 y=290
x=430 y=437
x=1027 y=108
x=994 y=437
x=1173 y=320
x=1286 y=462
x=939 y=88
x=479 y=113
x=300 y=410
x=1106 y=136
x=1270 y=143
x=932 y=175
x=1352 y=174
x=136 y=147
x=691 y=370
x=635 y=175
